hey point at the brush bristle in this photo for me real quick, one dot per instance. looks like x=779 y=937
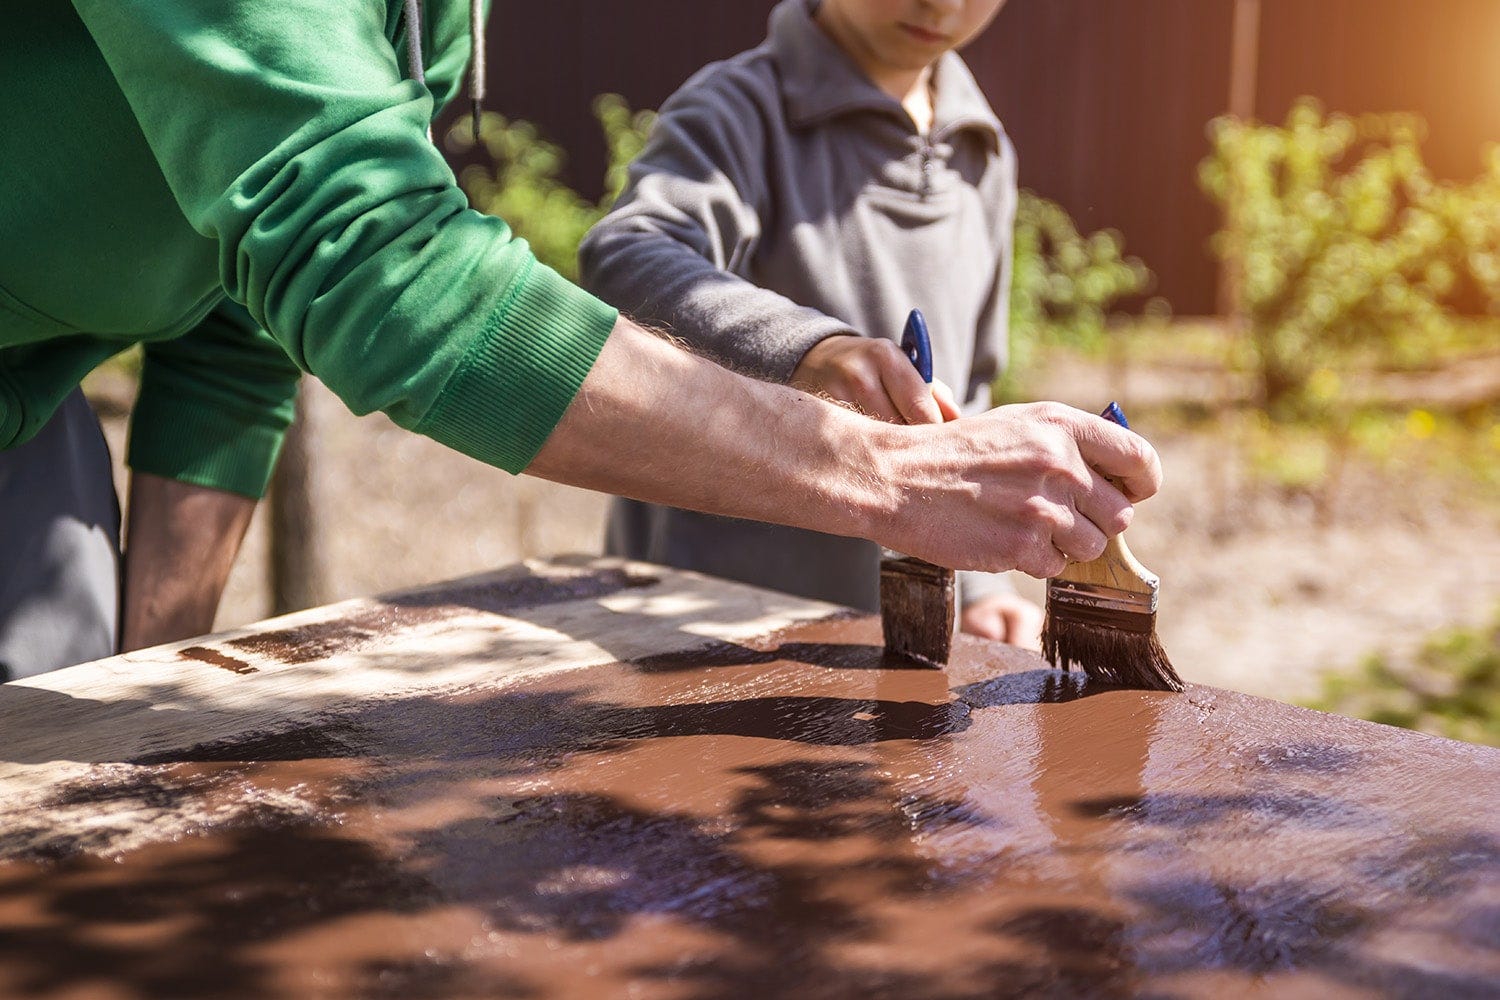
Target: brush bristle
x=916 y=609
x=1114 y=647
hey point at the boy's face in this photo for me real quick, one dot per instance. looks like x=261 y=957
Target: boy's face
x=908 y=35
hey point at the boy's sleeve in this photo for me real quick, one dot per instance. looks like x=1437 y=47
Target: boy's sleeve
x=689 y=216
x=289 y=135
x=214 y=405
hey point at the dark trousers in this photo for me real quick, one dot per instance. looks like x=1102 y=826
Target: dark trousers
x=59 y=546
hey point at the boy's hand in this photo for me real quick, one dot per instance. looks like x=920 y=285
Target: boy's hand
x=876 y=377
x=1005 y=617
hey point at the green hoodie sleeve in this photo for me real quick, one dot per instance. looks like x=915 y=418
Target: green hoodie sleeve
x=214 y=405
x=288 y=134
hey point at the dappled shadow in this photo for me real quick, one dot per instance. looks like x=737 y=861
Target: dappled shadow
x=1282 y=925
x=529 y=729
x=1016 y=836
x=199 y=912
x=1030 y=687
x=565 y=867
x=1087 y=954
x=1309 y=758
x=822 y=655
x=1184 y=810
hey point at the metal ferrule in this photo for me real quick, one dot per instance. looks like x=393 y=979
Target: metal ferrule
x=1091 y=595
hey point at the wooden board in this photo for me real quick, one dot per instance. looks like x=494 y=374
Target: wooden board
x=606 y=779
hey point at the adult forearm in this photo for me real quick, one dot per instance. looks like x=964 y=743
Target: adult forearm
x=657 y=423
x=1024 y=487
x=181 y=541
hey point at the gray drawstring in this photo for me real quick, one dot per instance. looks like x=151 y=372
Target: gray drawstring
x=414 y=41
x=476 y=62
x=413 y=12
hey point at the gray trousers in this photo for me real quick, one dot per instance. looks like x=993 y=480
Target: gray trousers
x=59 y=546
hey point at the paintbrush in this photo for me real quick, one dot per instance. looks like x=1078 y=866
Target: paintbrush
x=916 y=597
x=1101 y=615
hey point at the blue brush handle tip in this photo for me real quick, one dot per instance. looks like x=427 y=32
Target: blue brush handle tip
x=917 y=344
x=1113 y=412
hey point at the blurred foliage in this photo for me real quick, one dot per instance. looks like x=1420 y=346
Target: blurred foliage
x=1452 y=689
x=1064 y=282
x=1460 y=448
x=524 y=187
x=1344 y=245
x=1063 y=286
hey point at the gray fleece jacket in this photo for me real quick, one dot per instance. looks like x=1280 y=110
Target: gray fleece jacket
x=782 y=199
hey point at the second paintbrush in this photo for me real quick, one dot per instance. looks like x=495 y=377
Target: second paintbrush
x=1101 y=615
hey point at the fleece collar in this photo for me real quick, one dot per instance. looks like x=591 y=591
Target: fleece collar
x=821 y=82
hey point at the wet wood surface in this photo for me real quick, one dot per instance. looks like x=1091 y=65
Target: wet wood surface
x=600 y=779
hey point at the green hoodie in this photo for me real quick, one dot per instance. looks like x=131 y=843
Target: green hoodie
x=247 y=190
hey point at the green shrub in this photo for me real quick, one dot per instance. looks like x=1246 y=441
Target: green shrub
x=1453 y=688
x=1062 y=288
x=1343 y=245
x=1064 y=282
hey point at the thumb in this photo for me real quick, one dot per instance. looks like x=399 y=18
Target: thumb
x=913 y=398
x=943 y=396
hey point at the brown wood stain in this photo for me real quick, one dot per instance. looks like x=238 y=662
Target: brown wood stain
x=791 y=817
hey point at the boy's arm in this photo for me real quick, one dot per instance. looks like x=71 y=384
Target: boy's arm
x=690 y=214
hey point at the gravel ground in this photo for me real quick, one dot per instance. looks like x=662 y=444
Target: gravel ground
x=1256 y=595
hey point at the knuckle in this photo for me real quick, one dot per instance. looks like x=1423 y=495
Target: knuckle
x=1050 y=562
x=1052 y=412
x=1092 y=548
x=1038 y=510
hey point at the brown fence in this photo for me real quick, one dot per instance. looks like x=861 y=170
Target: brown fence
x=1106 y=100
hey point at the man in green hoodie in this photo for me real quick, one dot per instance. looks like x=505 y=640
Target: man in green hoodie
x=249 y=191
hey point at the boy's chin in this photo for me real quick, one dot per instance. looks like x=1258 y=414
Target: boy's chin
x=910 y=59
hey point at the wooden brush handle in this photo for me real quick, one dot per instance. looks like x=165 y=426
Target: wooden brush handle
x=1117 y=568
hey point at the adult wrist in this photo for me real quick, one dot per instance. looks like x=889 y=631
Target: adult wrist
x=871 y=453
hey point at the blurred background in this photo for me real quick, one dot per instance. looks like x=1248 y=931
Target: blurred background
x=1270 y=228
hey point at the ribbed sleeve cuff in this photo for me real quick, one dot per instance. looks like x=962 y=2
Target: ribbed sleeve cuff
x=518 y=377
x=203 y=445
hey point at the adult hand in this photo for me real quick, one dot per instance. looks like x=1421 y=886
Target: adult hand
x=876 y=377
x=1028 y=487
x=1005 y=617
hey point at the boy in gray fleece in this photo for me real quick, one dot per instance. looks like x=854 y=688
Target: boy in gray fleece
x=793 y=204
